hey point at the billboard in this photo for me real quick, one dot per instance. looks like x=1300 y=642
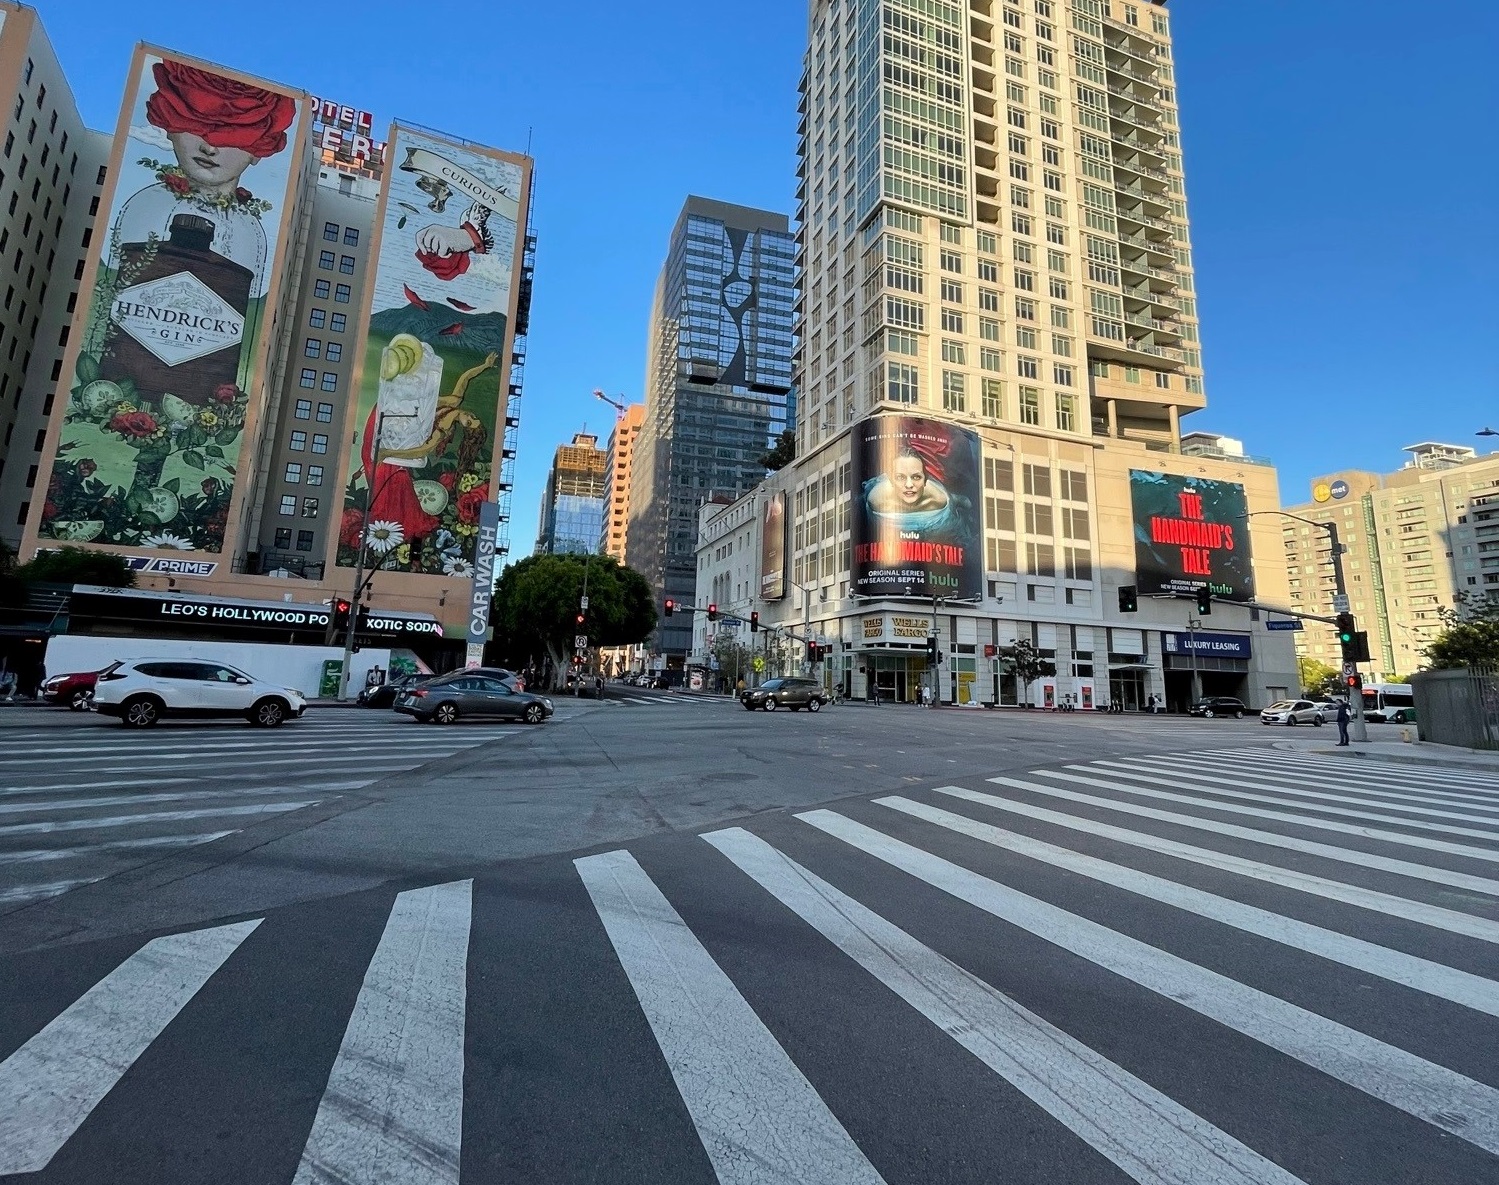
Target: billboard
x=153 y=437
x=916 y=526
x=436 y=354
x=1190 y=532
x=773 y=547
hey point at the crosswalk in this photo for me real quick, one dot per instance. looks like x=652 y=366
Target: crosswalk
x=635 y=699
x=1232 y=966
x=80 y=803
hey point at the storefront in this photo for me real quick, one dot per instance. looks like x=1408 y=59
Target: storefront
x=1218 y=664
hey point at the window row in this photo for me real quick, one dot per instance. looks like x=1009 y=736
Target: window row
x=319 y=319
x=310 y=379
x=289 y=506
x=325 y=261
x=293 y=475
x=283 y=539
x=298 y=442
x=342 y=293
x=350 y=234
x=304 y=411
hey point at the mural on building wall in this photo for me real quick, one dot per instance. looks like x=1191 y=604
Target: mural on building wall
x=1190 y=532
x=153 y=433
x=916 y=519
x=439 y=338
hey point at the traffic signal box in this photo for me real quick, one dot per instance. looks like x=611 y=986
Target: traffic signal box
x=1204 y=601
x=712 y=612
x=671 y=607
x=1353 y=641
x=1129 y=599
x=754 y=622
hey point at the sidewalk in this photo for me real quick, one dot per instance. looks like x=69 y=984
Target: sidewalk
x=1397 y=751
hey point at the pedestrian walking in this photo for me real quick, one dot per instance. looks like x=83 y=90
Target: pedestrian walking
x=1343 y=717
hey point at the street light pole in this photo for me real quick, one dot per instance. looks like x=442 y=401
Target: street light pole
x=1193 y=625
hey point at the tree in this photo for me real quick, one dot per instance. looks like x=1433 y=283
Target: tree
x=1027 y=664
x=535 y=608
x=735 y=661
x=1469 y=638
x=1317 y=678
x=76 y=565
x=783 y=453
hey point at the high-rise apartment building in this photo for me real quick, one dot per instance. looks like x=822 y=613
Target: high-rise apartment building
x=51 y=172
x=718 y=386
x=618 y=474
x=1419 y=540
x=997 y=343
x=573 y=505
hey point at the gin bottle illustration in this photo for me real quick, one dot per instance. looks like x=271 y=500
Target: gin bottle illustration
x=180 y=319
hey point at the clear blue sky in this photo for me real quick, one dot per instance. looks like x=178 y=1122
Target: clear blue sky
x=1335 y=330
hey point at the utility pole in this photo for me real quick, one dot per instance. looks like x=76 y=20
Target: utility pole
x=1193 y=625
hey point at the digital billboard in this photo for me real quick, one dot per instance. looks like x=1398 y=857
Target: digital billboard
x=153 y=437
x=436 y=355
x=773 y=547
x=1190 y=532
x=916 y=526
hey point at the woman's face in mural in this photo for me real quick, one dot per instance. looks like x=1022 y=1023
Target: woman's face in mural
x=908 y=479
x=207 y=167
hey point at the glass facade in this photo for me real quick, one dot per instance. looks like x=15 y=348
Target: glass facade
x=572 y=508
x=575 y=525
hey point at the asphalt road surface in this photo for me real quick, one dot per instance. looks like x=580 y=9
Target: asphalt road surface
x=679 y=942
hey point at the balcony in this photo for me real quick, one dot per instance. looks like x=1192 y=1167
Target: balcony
x=1130 y=71
x=1152 y=325
x=1141 y=194
x=1142 y=170
x=1136 y=144
x=1138 y=216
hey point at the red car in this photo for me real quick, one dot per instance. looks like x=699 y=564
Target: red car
x=76 y=690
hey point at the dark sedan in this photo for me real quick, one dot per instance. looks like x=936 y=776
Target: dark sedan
x=383 y=695
x=794 y=694
x=479 y=696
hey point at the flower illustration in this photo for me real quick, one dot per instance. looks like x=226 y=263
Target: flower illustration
x=456 y=565
x=208 y=420
x=166 y=542
x=468 y=482
x=177 y=183
x=226 y=393
x=135 y=425
x=469 y=503
x=383 y=536
x=448 y=480
x=350 y=528
x=403 y=555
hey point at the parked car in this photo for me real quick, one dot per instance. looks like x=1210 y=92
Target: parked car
x=1297 y=711
x=471 y=693
x=1218 y=705
x=795 y=694
x=76 y=690
x=140 y=692
x=383 y=695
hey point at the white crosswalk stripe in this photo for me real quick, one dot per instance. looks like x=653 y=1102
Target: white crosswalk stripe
x=402 y=1079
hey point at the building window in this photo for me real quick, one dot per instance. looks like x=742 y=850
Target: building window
x=309 y=378
x=330 y=231
x=1060 y=289
x=338 y=323
x=288 y=505
x=952 y=262
x=320 y=289
x=313 y=347
x=325 y=260
x=954 y=391
x=335 y=352
x=330 y=381
x=342 y=293
x=952 y=321
x=993 y=399
x=283 y=538
x=309 y=507
x=319 y=443
x=1024 y=280
x=304 y=409
x=1066 y=416
x=1061 y=374
x=293 y=473
x=990 y=359
x=304 y=540
x=988 y=242
x=988 y=271
x=952 y=291
x=902 y=385
x=989 y=300
x=989 y=329
x=954 y=351
x=351 y=237
x=1030 y=405
x=346 y=264
x=317 y=317
x=1027 y=368
x=325 y=413
x=314 y=475
x=1025 y=337
x=1163 y=380
x=298 y=441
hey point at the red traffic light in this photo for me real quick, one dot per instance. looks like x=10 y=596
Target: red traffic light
x=1351 y=680
x=341 y=606
x=712 y=612
x=581 y=619
x=671 y=607
x=754 y=621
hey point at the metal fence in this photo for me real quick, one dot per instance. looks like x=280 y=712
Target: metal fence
x=1458 y=707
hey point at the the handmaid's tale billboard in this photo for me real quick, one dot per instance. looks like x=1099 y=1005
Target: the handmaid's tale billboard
x=437 y=353
x=1191 y=532
x=169 y=368
x=916 y=526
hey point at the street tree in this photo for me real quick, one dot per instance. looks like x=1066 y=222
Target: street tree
x=1028 y=665
x=735 y=661
x=536 y=603
x=66 y=565
x=783 y=453
x=1469 y=637
x=1317 y=677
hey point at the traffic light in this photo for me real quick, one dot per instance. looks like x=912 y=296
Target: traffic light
x=814 y=653
x=1348 y=636
x=1129 y=599
x=933 y=656
x=754 y=622
x=1204 y=601
x=671 y=606
x=712 y=612
x=581 y=619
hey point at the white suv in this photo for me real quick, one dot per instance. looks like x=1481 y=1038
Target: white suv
x=140 y=692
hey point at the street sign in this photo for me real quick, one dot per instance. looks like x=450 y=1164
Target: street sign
x=580 y=642
x=1289 y=624
x=1350 y=669
x=1340 y=603
x=582 y=602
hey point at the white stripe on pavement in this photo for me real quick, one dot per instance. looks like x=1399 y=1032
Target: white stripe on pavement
x=40 y=855
x=1148 y=1135
x=1451 y=920
x=1441 y=1097
x=197 y=780
x=49 y=1085
x=1396 y=837
x=1197 y=770
x=393 y=1108
x=1422 y=975
x=758 y=1117
x=83 y=804
x=209 y=753
x=1325 y=773
x=1274 y=839
x=1404 y=772
x=54 y=825
x=21 y=894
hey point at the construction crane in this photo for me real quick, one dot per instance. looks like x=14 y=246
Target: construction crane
x=614 y=403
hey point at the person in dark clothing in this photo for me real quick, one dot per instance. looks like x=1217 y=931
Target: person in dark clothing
x=1343 y=717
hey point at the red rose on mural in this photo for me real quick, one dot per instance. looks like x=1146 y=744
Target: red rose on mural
x=49 y=510
x=86 y=468
x=449 y=480
x=351 y=528
x=136 y=424
x=241 y=194
x=226 y=393
x=177 y=183
x=225 y=112
x=469 y=503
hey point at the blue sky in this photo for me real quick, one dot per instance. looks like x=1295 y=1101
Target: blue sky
x=1335 y=330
